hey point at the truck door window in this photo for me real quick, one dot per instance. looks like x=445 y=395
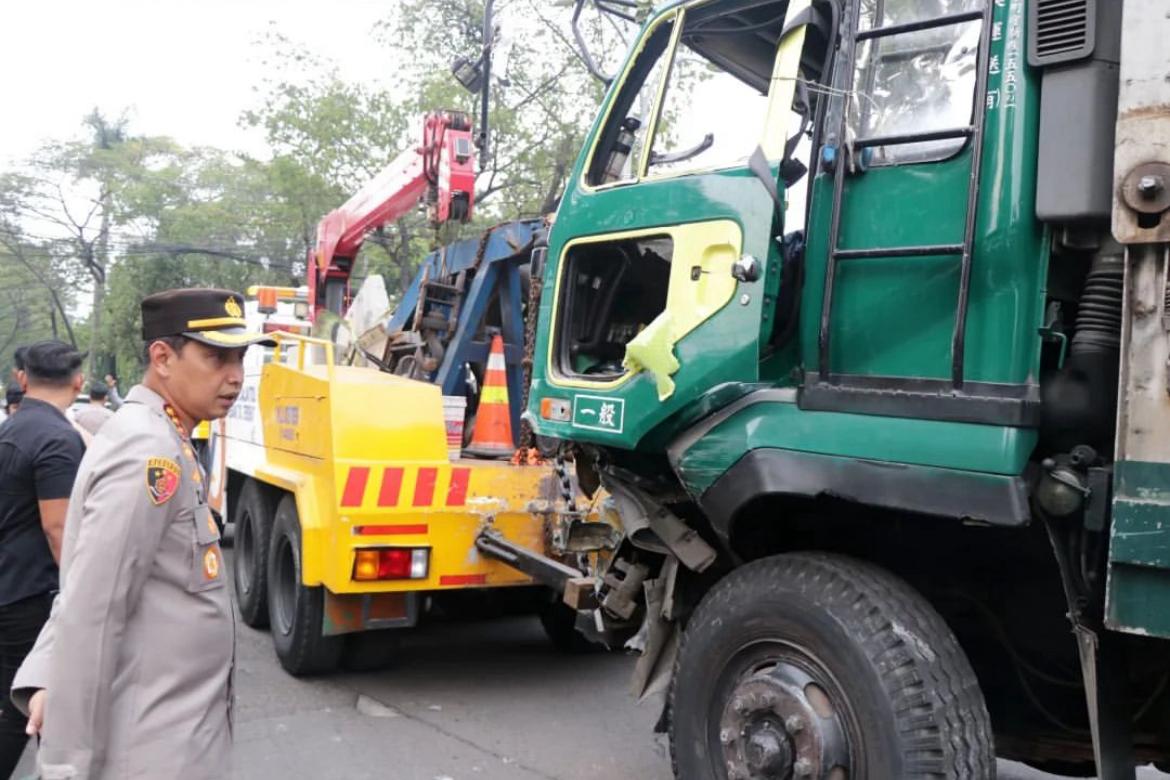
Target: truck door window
x=710 y=118
x=621 y=145
x=915 y=82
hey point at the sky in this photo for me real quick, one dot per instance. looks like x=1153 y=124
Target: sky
x=181 y=68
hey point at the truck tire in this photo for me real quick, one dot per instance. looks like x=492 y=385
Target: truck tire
x=296 y=611
x=253 y=521
x=797 y=664
x=560 y=626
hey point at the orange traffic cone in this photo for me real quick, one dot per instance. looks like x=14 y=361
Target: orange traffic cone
x=493 y=422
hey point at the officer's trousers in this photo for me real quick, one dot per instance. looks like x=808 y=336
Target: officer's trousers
x=20 y=623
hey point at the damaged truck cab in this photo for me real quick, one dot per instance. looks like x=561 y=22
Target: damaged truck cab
x=858 y=313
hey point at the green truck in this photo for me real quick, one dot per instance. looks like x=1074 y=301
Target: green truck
x=855 y=314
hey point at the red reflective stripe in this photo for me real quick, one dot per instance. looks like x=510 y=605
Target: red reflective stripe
x=463 y=579
x=355 y=486
x=390 y=530
x=495 y=376
x=424 y=488
x=457 y=492
x=391 y=486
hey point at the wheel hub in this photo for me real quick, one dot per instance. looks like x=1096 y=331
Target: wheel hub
x=768 y=751
x=779 y=724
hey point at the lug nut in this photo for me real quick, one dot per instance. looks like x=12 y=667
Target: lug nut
x=740 y=705
x=793 y=724
x=726 y=737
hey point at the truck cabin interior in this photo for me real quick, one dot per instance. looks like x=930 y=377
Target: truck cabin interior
x=614 y=289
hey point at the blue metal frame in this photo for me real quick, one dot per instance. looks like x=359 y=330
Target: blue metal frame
x=505 y=250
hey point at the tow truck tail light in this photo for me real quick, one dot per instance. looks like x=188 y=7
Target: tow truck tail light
x=391 y=563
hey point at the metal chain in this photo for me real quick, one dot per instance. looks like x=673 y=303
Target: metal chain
x=565 y=480
x=531 y=317
x=527 y=436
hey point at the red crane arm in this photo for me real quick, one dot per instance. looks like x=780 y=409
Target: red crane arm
x=441 y=171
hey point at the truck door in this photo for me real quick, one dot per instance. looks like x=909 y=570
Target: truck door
x=663 y=266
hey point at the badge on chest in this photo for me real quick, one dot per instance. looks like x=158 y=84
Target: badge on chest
x=162 y=479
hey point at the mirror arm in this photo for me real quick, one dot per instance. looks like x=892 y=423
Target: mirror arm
x=584 y=47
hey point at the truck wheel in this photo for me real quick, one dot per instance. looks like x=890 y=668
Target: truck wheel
x=560 y=626
x=821 y=667
x=296 y=611
x=253 y=520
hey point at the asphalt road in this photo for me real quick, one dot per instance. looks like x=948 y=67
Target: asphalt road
x=486 y=700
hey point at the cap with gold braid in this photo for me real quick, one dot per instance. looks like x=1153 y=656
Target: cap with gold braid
x=214 y=317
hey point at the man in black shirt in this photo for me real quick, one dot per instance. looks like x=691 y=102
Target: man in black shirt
x=39 y=455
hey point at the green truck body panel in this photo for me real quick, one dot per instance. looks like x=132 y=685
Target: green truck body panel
x=1139 y=549
x=895 y=316
x=985 y=448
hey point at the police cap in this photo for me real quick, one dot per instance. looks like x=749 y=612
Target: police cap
x=214 y=317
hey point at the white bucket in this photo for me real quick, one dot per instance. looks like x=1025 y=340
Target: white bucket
x=454 y=410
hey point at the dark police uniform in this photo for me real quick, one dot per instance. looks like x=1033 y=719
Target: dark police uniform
x=138 y=654
x=39 y=455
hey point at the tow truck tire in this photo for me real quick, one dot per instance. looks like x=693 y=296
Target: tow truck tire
x=253 y=520
x=560 y=626
x=296 y=611
x=797 y=664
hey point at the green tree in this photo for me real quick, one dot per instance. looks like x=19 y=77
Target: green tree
x=73 y=195
x=341 y=134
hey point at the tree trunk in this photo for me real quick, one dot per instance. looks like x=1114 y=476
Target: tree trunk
x=100 y=264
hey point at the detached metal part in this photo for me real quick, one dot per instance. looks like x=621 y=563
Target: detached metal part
x=543 y=569
x=652 y=527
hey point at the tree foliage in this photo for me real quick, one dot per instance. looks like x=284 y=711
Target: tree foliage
x=89 y=226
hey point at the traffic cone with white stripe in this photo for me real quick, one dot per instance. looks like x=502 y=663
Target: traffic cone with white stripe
x=492 y=437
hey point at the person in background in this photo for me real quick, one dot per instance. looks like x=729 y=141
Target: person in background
x=39 y=456
x=93 y=416
x=132 y=675
x=15 y=389
x=114 y=398
x=17 y=377
x=12 y=398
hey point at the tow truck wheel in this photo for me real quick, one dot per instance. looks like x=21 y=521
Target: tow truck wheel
x=296 y=611
x=253 y=520
x=820 y=667
x=560 y=626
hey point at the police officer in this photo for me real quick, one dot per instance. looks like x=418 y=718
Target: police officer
x=131 y=677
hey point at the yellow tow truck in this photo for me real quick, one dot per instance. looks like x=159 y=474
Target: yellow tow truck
x=353 y=500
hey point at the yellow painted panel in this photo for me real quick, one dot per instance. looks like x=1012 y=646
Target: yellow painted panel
x=711 y=247
x=781 y=123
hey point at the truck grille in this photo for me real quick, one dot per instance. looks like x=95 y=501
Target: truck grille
x=1061 y=30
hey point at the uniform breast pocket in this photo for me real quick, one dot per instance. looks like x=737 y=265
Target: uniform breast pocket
x=206 y=555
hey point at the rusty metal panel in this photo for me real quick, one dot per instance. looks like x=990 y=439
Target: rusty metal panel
x=1141 y=164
